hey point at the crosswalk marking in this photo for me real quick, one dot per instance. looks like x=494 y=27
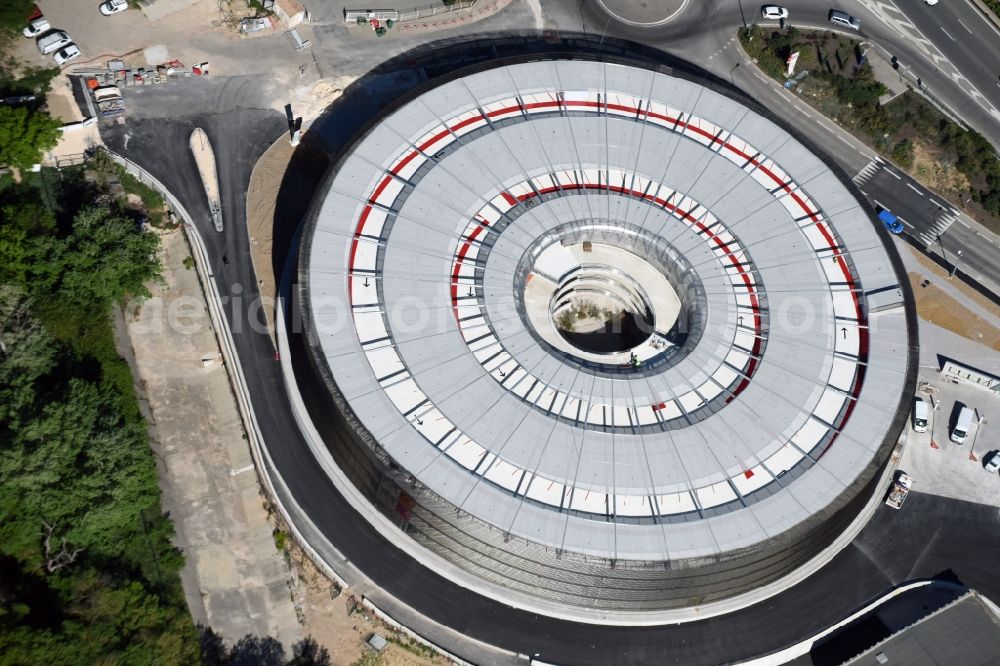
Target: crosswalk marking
x=941 y=225
x=867 y=172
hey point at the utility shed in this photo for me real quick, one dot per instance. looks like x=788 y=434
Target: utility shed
x=966 y=631
x=291 y=12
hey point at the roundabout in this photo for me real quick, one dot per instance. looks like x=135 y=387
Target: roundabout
x=607 y=337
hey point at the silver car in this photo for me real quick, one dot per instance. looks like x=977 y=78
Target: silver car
x=844 y=19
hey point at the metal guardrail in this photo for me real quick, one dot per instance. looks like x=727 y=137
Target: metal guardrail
x=234 y=369
x=434 y=10
x=351 y=16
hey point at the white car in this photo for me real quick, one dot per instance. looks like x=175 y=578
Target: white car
x=110 y=7
x=37 y=27
x=931 y=2
x=67 y=53
x=773 y=12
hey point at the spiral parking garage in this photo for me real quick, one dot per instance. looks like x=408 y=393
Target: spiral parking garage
x=601 y=335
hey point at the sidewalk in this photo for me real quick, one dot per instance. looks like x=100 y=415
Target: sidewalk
x=953 y=287
x=235 y=580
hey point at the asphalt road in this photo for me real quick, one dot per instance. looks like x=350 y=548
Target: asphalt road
x=933 y=223
x=930 y=537
x=964 y=37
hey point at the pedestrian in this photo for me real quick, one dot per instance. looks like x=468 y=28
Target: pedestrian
x=225 y=260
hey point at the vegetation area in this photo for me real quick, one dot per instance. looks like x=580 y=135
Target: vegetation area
x=568 y=318
x=26 y=132
x=13 y=16
x=959 y=163
x=25 y=135
x=994 y=6
x=88 y=573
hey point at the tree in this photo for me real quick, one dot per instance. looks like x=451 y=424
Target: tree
x=27 y=351
x=256 y=651
x=14 y=15
x=902 y=153
x=106 y=259
x=25 y=135
x=307 y=652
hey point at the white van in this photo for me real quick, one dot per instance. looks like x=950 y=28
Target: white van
x=844 y=19
x=921 y=412
x=53 y=42
x=962 y=425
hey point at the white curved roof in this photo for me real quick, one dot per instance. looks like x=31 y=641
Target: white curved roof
x=787 y=394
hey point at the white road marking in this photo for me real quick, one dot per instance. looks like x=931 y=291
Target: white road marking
x=905 y=222
x=893 y=174
x=946 y=32
x=910 y=185
x=862 y=192
x=845 y=141
x=963 y=223
x=963 y=25
x=939 y=205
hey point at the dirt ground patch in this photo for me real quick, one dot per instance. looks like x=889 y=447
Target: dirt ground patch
x=934 y=173
x=937 y=307
x=262 y=195
x=266 y=182
x=342 y=625
x=967 y=291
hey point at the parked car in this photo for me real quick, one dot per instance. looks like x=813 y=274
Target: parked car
x=992 y=462
x=110 y=7
x=773 y=12
x=931 y=2
x=67 y=53
x=36 y=27
x=53 y=42
x=844 y=19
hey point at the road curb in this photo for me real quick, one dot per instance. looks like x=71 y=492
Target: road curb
x=987 y=13
x=644 y=24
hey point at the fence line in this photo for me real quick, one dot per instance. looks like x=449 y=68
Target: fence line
x=353 y=15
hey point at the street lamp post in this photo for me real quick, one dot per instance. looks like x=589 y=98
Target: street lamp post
x=934 y=404
x=975 y=436
x=958 y=258
x=954 y=266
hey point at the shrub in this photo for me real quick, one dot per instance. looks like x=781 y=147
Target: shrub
x=902 y=154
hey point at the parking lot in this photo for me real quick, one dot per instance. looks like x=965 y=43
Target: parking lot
x=946 y=468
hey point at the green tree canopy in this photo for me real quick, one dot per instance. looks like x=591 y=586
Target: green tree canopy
x=14 y=15
x=25 y=135
x=106 y=260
